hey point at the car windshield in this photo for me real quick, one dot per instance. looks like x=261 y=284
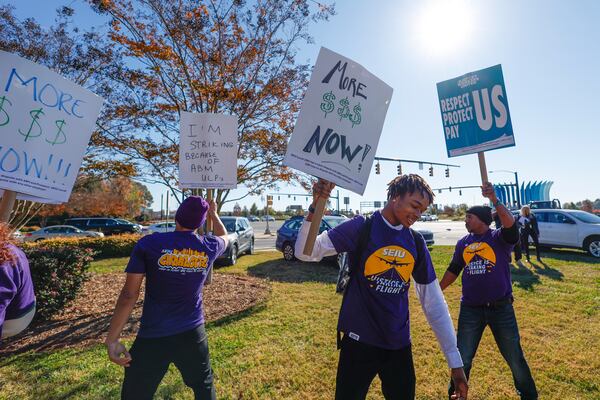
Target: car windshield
x=335 y=221
x=123 y=221
x=229 y=225
x=586 y=217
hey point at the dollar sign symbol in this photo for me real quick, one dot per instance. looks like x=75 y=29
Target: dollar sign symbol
x=59 y=125
x=344 y=110
x=35 y=114
x=355 y=118
x=2 y=100
x=328 y=106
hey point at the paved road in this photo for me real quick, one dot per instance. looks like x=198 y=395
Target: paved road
x=444 y=232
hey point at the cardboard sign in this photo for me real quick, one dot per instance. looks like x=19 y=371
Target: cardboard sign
x=475 y=112
x=45 y=125
x=208 y=149
x=338 y=129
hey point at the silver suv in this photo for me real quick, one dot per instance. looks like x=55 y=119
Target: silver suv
x=569 y=228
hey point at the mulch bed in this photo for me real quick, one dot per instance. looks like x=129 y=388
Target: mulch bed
x=85 y=321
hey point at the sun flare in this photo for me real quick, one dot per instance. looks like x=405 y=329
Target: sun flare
x=444 y=26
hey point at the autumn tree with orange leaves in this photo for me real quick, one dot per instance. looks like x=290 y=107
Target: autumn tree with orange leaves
x=232 y=57
x=85 y=57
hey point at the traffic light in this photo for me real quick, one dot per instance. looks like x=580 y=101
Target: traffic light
x=399 y=169
x=269 y=200
x=460 y=192
x=377 y=168
x=431 y=170
x=447 y=172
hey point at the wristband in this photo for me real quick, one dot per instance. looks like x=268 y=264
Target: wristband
x=311 y=209
x=497 y=203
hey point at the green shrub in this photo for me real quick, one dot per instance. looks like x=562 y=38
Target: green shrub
x=106 y=247
x=58 y=272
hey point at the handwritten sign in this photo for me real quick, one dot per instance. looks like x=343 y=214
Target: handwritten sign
x=208 y=149
x=45 y=125
x=475 y=112
x=340 y=122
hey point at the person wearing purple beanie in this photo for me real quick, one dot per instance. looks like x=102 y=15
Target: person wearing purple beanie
x=175 y=265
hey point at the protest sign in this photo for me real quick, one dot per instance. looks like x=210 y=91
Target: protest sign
x=338 y=128
x=339 y=125
x=45 y=124
x=208 y=149
x=475 y=112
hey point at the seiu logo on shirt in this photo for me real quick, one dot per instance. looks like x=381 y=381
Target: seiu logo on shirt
x=479 y=258
x=389 y=269
x=186 y=260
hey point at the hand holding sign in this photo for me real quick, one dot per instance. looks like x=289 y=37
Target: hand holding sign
x=321 y=192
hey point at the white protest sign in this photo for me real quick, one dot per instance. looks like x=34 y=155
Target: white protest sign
x=45 y=125
x=26 y=197
x=208 y=146
x=339 y=125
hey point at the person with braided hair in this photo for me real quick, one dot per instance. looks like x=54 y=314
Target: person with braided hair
x=385 y=257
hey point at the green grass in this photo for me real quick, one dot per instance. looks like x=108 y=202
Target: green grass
x=286 y=349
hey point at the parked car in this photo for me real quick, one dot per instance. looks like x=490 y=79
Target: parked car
x=288 y=233
x=569 y=228
x=17 y=236
x=253 y=218
x=57 y=231
x=108 y=226
x=124 y=221
x=161 y=227
x=241 y=238
x=433 y=217
x=265 y=217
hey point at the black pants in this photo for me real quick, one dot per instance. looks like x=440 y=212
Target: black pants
x=525 y=234
x=150 y=359
x=359 y=363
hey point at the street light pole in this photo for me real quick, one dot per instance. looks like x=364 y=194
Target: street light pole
x=516 y=184
x=518 y=193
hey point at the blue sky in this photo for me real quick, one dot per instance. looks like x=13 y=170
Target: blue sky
x=550 y=55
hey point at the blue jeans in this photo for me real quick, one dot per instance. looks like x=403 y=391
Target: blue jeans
x=503 y=323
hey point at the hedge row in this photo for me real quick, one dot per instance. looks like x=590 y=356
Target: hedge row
x=58 y=272
x=106 y=247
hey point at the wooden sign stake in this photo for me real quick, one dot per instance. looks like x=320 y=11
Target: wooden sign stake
x=6 y=205
x=314 y=226
x=482 y=167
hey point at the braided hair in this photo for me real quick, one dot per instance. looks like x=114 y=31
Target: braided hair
x=410 y=183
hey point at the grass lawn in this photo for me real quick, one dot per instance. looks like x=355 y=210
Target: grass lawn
x=285 y=349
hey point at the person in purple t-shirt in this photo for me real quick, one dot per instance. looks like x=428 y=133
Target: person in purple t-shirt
x=483 y=256
x=374 y=318
x=17 y=299
x=175 y=265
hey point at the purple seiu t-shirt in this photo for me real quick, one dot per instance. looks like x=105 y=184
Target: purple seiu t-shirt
x=485 y=262
x=16 y=287
x=375 y=307
x=176 y=265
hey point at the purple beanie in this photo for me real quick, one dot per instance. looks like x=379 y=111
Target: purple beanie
x=191 y=214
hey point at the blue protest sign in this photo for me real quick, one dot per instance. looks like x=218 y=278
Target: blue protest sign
x=475 y=112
